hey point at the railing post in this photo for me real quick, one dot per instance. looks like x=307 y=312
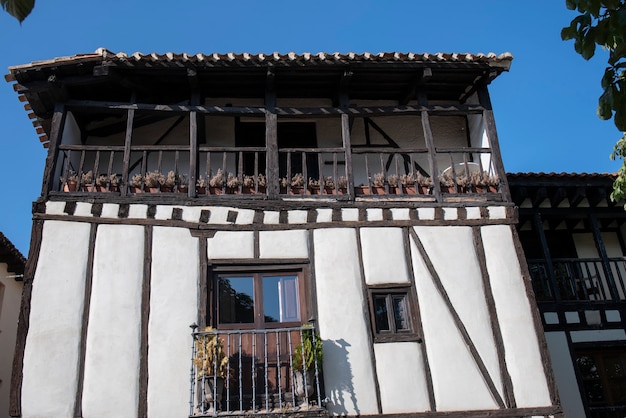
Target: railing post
x=546 y=254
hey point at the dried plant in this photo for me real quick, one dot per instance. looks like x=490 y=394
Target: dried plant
x=462 y=180
x=136 y=181
x=153 y=179
x=342 y=182
x=248 y=181
x=232 y=181
x=114 y=180
x=86 y=178
x=379 y=180
x=262 y=180
x=102 y=180
x=210 y=359
x=393 y=180
x=170 y=180
x=446 y=180
x=329 y=182
x=492 y=180
x=408 y=179
x=183 y=180
x=297 y=180
x=71 y=177
x=315 y=183
x=477 y=178
x=423 y=180
x=217 y=180
x=201 y=182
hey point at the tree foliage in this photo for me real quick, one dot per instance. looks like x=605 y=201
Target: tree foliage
x=19 y=9
x=603 y=23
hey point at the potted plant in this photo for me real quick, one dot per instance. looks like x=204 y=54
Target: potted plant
x=408 y=183
x=477 y=181
x=493 y=182
x=462 y=182
x=114 y=183
x=201 y=185
x=153 y=181
x=135 y=183
x=314 y=186
x=211 y=367
x=101 y=183
x=448 y=184
x=232 y=183
x=168 y=182
x=342 y=185
x=183 y=184
x=392 y=181
x=86 y=181
x=262 y=182
x=425 y=183
x=307 y=358
x=297 y=184
x=378 y=184
x=216 y=182
x=70 y=183
x=248 y=185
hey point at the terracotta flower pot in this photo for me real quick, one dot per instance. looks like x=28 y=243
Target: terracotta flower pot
x=70 y=186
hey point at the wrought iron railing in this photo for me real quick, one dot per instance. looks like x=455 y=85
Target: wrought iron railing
x=259 y=374
x=579 y=279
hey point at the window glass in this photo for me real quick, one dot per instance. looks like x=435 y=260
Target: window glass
x=392 y=312
x=236 y=300
x=400 y=312
x=380 y=313
x=280 y=299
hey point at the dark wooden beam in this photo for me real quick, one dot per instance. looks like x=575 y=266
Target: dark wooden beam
x=539 y=195
x=271 y=135
x=557 y=196
x=596 y=195
x=576 y=196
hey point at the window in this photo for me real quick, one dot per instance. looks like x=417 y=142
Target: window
x=392 y=312
x=258 y=299
x=603 y=375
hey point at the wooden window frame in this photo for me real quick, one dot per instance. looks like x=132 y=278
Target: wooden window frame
x=394 y=335
x=257 y=273
x=599 y=353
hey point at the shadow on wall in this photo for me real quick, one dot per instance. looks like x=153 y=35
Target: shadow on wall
x=338 y=378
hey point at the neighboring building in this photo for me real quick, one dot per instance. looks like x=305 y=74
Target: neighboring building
x=305 y=211
x=573 y=237
x=12 y=264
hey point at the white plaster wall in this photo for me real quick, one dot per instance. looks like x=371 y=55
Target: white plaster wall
x=401 y=377
x=10 y=298
x=457 y=381
x=348 y=376
x=111 y=382
x=173 y=307
x=230 y=244
x=284 y=244
x=384 y=258
x=52 y=345
x=564 y=375
x=514 y=314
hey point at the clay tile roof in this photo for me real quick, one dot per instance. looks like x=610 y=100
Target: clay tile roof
x=11 y=256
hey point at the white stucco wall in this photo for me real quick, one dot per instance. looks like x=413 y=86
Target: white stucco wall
x=51 y=355
x=173 y=307
x=10 y=299
x=113 y=335
x=384 y=259
x=401 y=377
x=513 y=307
x=457 y=381
x=284 y=244
x=564 y=374
x=348 y=376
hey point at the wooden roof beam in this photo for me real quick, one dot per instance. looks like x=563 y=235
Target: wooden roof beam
x=575 y=196
x=412 y=87
x=557 y=196
x=539 y=195
x=342 y=98
x=596 y=195
x=519 y=195
x=486 y=79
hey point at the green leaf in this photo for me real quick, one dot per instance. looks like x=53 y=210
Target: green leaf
x=568 y=32
x=608 y=78
x=605 y=105
x=571 y=4
x=19 y=9
x=588 y=47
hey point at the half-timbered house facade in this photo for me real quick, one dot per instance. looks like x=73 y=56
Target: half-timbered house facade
x=573 y=237
x=361 y=196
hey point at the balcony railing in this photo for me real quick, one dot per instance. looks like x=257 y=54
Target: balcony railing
x=242 y=171
x=579 y=279
x=260 y=374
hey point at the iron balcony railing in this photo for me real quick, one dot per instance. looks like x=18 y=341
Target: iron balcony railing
x=579 y=279
x=258 y=373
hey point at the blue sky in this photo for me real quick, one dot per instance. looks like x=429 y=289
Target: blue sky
x=544 y=107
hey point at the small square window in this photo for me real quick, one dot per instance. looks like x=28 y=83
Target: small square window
x=393 y=314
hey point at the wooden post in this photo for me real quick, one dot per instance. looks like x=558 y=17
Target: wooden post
x=58 y=123
x=193 y=153
x=597 y=238
x=271 y=137
x=546 y=255
x=127 y=142
x=347 y=147
x=430 y=144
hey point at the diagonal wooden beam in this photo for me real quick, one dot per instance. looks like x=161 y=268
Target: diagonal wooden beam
x=457 y=320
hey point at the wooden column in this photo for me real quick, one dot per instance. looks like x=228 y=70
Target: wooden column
x=345 y=135
x=490 y=127
x=432 y=161
x=538 y=223
x=597 y=237
x=193 y=153
x=127 y=142
x=271 y=137
x=58 y=123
